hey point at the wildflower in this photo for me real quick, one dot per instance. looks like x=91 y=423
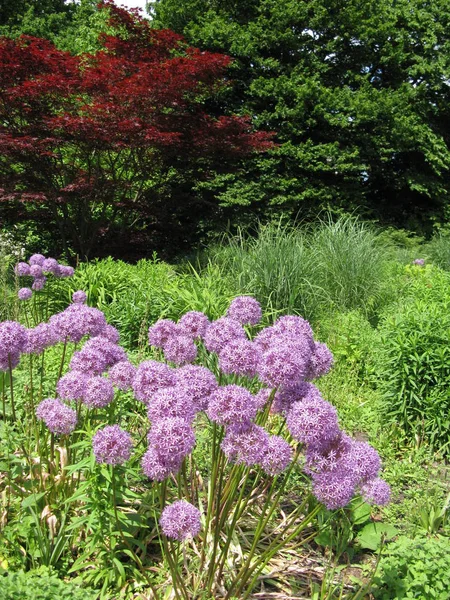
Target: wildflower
x=76 y=321
x=22 y=269
x=13 y=338
x=112 y=445
x=286 y=363
x=111 y=333
x=180 y=349
x=39 y=338
x=294 y=326
x=231 y=405
x=88 y=360
x=36 y=259
x=277 y=457
x=334 y=489
x=122 y=374
x=65 y=271
x=58 y=417
x=72 y=385
x=50 y=265
x=221 y=332
x=321 y=361
x=98 y=393
x=246 y=445
x=161 y=332
x=199 y=381
x=194 y=323
x=180 y=520
x=285 y=397
x=376 y=491
x=419 y=262
x=240 y=357
x=36 y=271
x=171 y=402
x=151 y=376
x=79 y=297
x=38 y=284
x=111 y=352
x=172 y=439
x=246 y=310
x=24 y=293
x=154 y=468
x=313 y=421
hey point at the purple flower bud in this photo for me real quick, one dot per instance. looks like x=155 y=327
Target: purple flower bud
x=231 y=405
x=194 y=324
x=180 y=521
x=76 y=321
x=240 y=357
x=246 y=310
x=419 y=261
x=285 y=397
x=36 y=259
x=151 y=376
x=180 y=349
x=24 y=294
x=13 y=338
x=334 y=489
x=111 y=333
x=286 y=363
x=221 y=332
x=58 y=417
x=22 y=269
x=112 y=445
x=39 y=338
x=79 y=297
x=65 y=271
x=98 y=393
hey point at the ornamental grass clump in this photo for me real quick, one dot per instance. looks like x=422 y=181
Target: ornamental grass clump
x=180 y=465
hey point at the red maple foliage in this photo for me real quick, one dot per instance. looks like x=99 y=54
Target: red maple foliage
x=88 y=140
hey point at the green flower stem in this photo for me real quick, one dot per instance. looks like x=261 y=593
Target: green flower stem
x=11 y=387
x=212 y=562
x=61 y=364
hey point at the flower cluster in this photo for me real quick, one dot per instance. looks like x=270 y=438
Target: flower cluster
x=112 y=445
x=58 y=417
x=13 y=341
x=180 y=520
x=37 y=268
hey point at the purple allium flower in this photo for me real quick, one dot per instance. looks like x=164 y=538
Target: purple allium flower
x=36 y=259
x=76 y=321
x=111 y=333
x=194 y=323
x=221 y=332
x=154 y=468
x=294 y=326
x=231 y=405
x=39 y=338
x=88 y=360
x=22 y=269
x=50 y=265
x=99 y=392
x=180 y=521
x=172 y=439
x=24 y=293
x=376 y=491
x=38 y=283
x=122 y=374
x=171 y=402
x=199 y=381
x=65 y=271
x=240 y=357
x=58 y=417
x=362 y=461
x=246 y=310
x=151 y=376
x=161 y=332
x=328 y=456
x=286 y=396
x=72 y=385
x=112 y=445
x=112 y=353
x=262 y=397
x=246 y=445
x=277 y=457
x=286 y=363
x=9 y=360
x=419 y=261
x=79 y=297
x=321 y=361
x=13 y=338
x=334 y=489
x=180 y=349
x=313 y=421
x=36 y=271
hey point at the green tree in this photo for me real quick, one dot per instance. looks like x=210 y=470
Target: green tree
x=358 y=94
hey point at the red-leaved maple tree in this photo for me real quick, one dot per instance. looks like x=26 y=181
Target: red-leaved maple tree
x=88 y=142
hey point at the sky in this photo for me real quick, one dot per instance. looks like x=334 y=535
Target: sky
x=132 y=4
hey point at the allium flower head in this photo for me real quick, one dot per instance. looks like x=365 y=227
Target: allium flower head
x=199 y=381
x=313 y=421
x=36 y=271
x=36 y=259
x=65 y=271
x=110 y=333
x=180 y=521
x=24 y=293
x=22 y=269
x=172 y=439
x=171 y=402
x=79 y=297
x=231 y=405
x=240 y=357
x=334 y=489
x=321 y=361
x=246 y=310
x=58 y=417
x=246 y=445
x=376 y=491
x=362 y=461
x=180 y=350
x=150 y=377
x=419 y=261
x=88 y=360
x=50 y=265
x=72 y=385
x=122 y=374
x=161 y=332
x=38 y=284
x=222 y=332
x=13 y=337
x=277 y=457
x=286 y=396
x=328 y=456
x=286 y=363
x=111 y=352
x=99 y=392
x=294 y=326
x=40 y=337
x=76 y=321
x=112 y=445
x=154 y=468
x=194 y=324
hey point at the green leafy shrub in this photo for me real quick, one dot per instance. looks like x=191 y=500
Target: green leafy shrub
x=41 y=584
x=438 y=249
x=413 y=361
x=414 y=568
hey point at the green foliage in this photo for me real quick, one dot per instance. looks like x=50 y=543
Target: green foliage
x=438 y=249
x=414 y=568
x=41 y=584
x=412 y=362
